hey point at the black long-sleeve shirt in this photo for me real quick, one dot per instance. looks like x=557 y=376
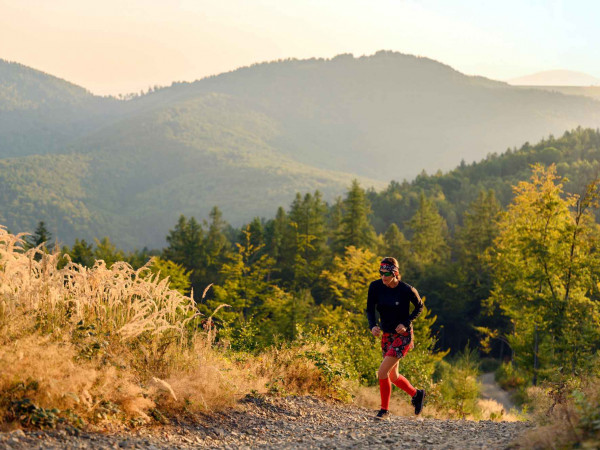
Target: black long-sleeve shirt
x=393 y=305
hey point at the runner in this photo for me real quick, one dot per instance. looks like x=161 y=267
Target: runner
x=392 y=298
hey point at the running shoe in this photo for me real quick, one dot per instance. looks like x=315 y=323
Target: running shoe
x=383 y=414
x=417 y=401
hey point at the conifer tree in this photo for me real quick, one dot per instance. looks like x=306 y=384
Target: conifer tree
x=280 y=245
x=334 y=222
x=480 y=228
x=216 y=245
x=308 y=221
x=429 y=240
x=186 y=247
x=40 y=236
x=275 y=235
x=245 y=289
x=395 y=244
x=356 y=229
x=107 y=251
x=82 y=253
x=257 y=233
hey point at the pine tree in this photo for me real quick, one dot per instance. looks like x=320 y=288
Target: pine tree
x=429 y=240
x=216 y=245
x=245 y=290
x=395 y=244
x=275 y=235
x=257 y=233
x=356 y=229
x=186 y=247
x=107 y=251
x=40 y=236
x=82 y=253
x=308 y=222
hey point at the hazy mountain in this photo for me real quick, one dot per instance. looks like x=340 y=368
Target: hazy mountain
x=249 y=139
x=584 y=91
x=40 y=113
x=556 y=78
x=391 y=115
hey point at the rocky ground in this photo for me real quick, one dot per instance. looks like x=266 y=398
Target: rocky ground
x=292 y=422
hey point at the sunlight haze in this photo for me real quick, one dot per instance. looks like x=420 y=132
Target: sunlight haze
x=114 y=47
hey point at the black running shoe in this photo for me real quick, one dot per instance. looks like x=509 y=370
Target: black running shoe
x=383 y=414
x=417 y=401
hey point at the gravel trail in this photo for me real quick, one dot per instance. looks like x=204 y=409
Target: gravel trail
x=292 y=422
x=491 y=390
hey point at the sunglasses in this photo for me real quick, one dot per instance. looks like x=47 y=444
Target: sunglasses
x=386 y=274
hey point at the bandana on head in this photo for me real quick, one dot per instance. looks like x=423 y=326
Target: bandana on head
x=388 y=267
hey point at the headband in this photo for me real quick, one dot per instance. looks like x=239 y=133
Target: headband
x=388 y=267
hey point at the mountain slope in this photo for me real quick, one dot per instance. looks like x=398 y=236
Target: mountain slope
x=40 y=113
x=131 y=180
x=362 y=115
x=249 y=139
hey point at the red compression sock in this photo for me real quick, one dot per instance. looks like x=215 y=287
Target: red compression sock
x=405 y=385
x=385 y=389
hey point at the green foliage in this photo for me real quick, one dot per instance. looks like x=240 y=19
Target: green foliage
x=82 y=253
x=396 y=245
x=40 y=236
x=429 y=234
x=23 y=410
x=509 y=377
x=458 y=383
x=355 y=227
x=545 y=260
x=179 y=278
x=107 y=251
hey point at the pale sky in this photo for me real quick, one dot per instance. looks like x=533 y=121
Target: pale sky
x=121 y=46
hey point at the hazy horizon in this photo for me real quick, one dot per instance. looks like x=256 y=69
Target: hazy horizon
x=114 y=48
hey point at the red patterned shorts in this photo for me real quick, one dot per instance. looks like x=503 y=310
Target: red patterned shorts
x=397 y=344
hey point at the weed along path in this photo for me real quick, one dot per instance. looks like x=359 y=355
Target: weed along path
x=291 y=422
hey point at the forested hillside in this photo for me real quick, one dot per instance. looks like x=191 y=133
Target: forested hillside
x=41 y=114
x=249 y=139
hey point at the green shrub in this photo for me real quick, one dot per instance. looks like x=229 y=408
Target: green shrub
x=509 y=377
x=458 y=385
x=489 y=365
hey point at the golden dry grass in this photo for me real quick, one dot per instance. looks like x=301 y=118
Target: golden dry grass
x=567 y=416
x=115 y=344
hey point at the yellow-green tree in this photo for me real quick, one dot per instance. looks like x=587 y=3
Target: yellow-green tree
x=546 y=266
x=179 y=278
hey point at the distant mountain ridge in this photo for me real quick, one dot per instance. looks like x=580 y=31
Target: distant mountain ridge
x=556 y=78
x=249 y=139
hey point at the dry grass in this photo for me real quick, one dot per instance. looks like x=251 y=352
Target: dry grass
x=492 y=410
x=114 y=345
x=568 y=415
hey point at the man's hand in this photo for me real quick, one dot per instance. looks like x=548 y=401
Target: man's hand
x=400 y=329
x=376 y=331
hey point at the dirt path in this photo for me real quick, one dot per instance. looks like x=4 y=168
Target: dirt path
x=293 y=422
x=492 y=391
